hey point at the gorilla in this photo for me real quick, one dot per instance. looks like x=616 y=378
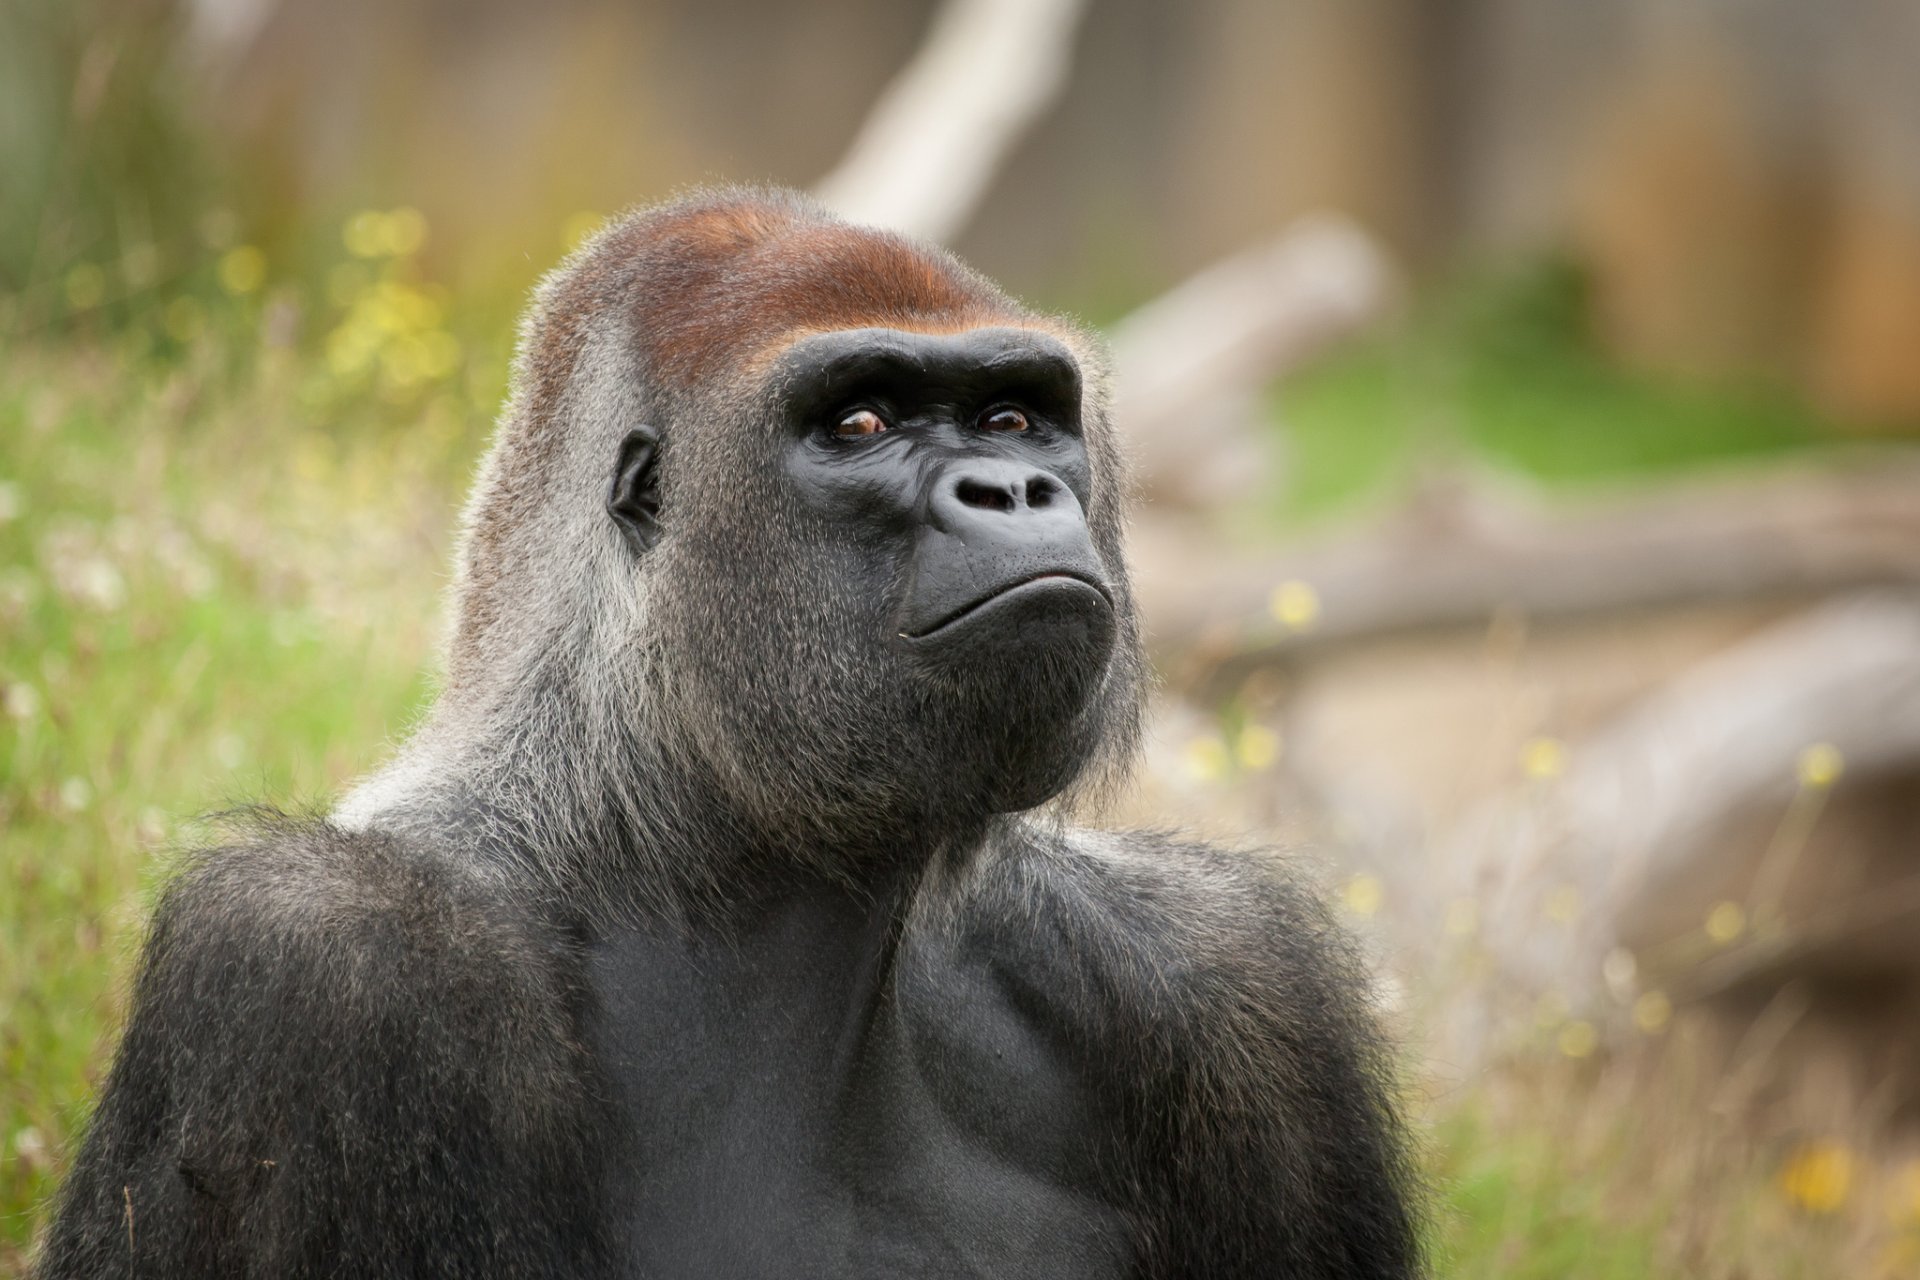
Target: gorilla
x=726 y=915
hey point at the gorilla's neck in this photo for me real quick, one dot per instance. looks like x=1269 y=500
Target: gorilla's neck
x=596 y=801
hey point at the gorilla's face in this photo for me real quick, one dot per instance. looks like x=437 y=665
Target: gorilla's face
x=895 y=596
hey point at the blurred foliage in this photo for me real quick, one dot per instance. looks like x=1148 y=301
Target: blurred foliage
x=226 y=480
x=209 y=595
x=1502 y=368
x=219 y=563
x=105 y=198
x=1628 y=1165
x=120 y=224
x=228 y=475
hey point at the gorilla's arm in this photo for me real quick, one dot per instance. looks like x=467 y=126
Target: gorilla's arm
x=1263 y=1133
x=343 y=1058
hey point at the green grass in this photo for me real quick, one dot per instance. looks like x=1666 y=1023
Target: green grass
x=168 y=646
x=219 y=577
x=1510 y=1208
x=1504 y=373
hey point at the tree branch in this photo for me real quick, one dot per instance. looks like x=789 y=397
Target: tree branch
x=929 y=149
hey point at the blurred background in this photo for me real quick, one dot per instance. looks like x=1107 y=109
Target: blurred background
x=1526 y=400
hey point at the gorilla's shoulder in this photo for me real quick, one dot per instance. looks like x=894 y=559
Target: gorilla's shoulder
x=297 y=886
x=1156 y=889
x=1180 y=936
x=1213 y=994
x=330 y=941
x=347 y=1054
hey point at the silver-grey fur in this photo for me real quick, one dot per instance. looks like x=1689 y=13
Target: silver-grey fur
x=413 y=1040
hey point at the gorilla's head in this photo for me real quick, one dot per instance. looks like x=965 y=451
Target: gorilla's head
x=813 y=511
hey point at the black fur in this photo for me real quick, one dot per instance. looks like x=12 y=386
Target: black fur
x=689 y=936
x=345 y=1058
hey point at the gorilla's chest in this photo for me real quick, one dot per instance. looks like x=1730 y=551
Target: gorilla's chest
x=812 y=1100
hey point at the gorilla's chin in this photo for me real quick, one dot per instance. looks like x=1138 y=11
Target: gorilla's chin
x=1016 y=683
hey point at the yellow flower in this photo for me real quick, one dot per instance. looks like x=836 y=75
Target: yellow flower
x=242 y=269
x=365 y=234
x=1258 y=747
x=1207 y=758
x=1652 y=1011
x=396 y=307
x=1463 y=917
x=1578 y=1039
x=1543 y=759
x=1295 y=605
x=1820 y=766
x=403 y=361
x=404 y=231
x=1727 y=921
x=1818 y=1176
x=1363 y=894
x=350 y=349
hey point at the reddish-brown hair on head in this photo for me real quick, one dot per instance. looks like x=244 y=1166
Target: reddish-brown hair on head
x=706 y=285
x=718 y=277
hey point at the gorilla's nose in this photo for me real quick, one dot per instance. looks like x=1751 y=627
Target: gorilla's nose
x=1004 y=534
x=981 y=495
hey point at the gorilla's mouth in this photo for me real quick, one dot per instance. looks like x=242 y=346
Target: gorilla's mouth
x=1058 y=589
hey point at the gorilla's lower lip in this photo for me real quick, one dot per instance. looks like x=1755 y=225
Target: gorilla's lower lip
x=1037 y=584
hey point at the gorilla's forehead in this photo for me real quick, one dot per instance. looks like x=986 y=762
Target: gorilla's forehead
x=821 y=367
x=716 y=283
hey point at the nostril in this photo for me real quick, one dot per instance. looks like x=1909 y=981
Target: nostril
x=1041 y=491
x=991 y=497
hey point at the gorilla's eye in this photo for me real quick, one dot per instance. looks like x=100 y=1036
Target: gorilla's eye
x=861 y=422
x=1004 y=419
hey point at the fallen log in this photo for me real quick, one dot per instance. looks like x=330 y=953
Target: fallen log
x=1797 y=532
x=1549 y=869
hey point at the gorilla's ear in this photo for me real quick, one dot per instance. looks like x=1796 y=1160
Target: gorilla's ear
x=634 y=499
